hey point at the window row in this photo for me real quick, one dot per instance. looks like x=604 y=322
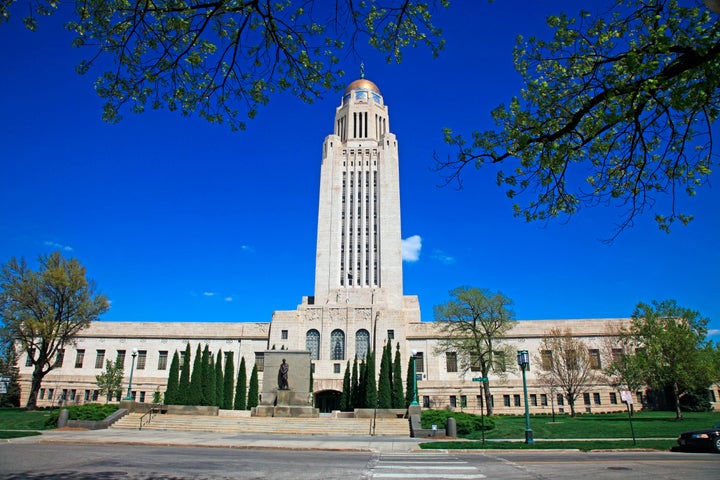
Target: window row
x=337 y=344
x=100 y=358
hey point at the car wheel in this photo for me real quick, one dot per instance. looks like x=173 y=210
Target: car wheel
x=716 y=444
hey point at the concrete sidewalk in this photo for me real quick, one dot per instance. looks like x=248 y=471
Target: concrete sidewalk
x=360 y=443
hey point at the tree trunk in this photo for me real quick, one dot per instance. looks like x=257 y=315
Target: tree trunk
x=488 y=399
x=571 y=402
x=35 y=383
x=676 y=394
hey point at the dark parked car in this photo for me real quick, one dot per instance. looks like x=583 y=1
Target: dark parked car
x=701 y=439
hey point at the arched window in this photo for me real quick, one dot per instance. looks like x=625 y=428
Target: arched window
x=362 y=343
x=337 y=345
x=312 y=343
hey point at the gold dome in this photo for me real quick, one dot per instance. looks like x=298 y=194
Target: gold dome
x=362 y=84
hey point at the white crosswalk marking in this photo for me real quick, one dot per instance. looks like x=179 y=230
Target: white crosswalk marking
x=422 y=465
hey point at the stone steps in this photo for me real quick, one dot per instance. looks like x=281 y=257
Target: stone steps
x=268 y=425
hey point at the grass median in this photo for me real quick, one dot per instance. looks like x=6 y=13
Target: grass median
x=653 y=430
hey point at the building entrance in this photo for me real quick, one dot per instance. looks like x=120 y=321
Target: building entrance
x=327 y=401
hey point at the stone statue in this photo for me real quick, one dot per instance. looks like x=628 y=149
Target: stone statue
x=283 y=376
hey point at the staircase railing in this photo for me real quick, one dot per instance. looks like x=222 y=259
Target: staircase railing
x=152 y=411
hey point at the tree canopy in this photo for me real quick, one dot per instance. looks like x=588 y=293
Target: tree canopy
x=670 y=349
x=223 y=60
x=43 y=310
x=473 y=323
x=617 y=109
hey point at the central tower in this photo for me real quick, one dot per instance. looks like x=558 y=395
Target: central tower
x=359 y=256
x=358 y=305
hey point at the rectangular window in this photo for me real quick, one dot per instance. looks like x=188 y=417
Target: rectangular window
x=560 y=399
x=426 y=401
x=181 y=359
x=142 y=397
x=533 y=400
x=617 y=354
x=60 y=358
x=72 y=395
x=451 y=361
x=475 y=365
x=506 y=400
x=51 y=393
x=595 y=363
x=42 y=393
x=336 y=368
x=712 y=395
x=479 y=401
x=30 y=356
x=453 y=401
x=543 y=400
x=419 y=362
x=596 y=398
x=79 y=357
x=586 y=398
x=64 y=394
x=162 y=360
x=492 y=401
x=95 y=395
x=391 y=334
x=87 y=395
x=99 y=358
x=547 y=359
x=284 y=334
x=516 y=400
x=463 y=401
x=120 y=359
x=142 y=358
x=613 y=398
x=260 y=361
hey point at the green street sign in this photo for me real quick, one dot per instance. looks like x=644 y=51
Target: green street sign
x=480 y=379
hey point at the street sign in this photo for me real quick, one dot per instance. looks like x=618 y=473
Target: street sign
x=480 y=379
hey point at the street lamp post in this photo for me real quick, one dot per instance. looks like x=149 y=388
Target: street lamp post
x=523 y=360
x=414 y=402
x=132 y=367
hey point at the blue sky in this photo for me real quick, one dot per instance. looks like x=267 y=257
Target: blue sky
x=179 y=220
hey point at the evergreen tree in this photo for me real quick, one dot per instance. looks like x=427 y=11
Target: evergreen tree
x=355 y=386
x=219 y=381
x=241 y=387
x=398 y=398
x=410 y=383
x=362 y=386
x=253 y=394
x=346 y=395
x=195 y=389
x=9 y=368
x=229 y=382
x=208 y=377
x=184 y=384
x=171 y=390
x=384 y=392
x=371 y=393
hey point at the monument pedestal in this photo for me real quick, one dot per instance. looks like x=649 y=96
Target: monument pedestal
x=297 y=401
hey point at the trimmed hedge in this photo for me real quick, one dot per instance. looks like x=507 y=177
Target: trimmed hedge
x=93 y=412
x=466 y=422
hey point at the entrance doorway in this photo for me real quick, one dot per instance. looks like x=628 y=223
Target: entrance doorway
x=327 y=401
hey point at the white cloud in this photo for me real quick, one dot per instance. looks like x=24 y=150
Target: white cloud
x=209 y=294
x=411 y=247
x=443 y=257
x=713 y=332
x=65 y=248
x=247 y=248
x=228 y=299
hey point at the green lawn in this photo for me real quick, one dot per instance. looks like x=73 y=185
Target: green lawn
x=647 y=425
x=16 y=422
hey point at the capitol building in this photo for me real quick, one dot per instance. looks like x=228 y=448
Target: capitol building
x=357 y=306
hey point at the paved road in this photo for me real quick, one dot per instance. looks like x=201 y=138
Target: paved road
x=33 y=461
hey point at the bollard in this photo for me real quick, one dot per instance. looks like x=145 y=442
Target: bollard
x=63 y=418
x=451 y=427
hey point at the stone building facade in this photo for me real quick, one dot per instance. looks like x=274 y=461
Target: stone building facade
x=358 y=303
